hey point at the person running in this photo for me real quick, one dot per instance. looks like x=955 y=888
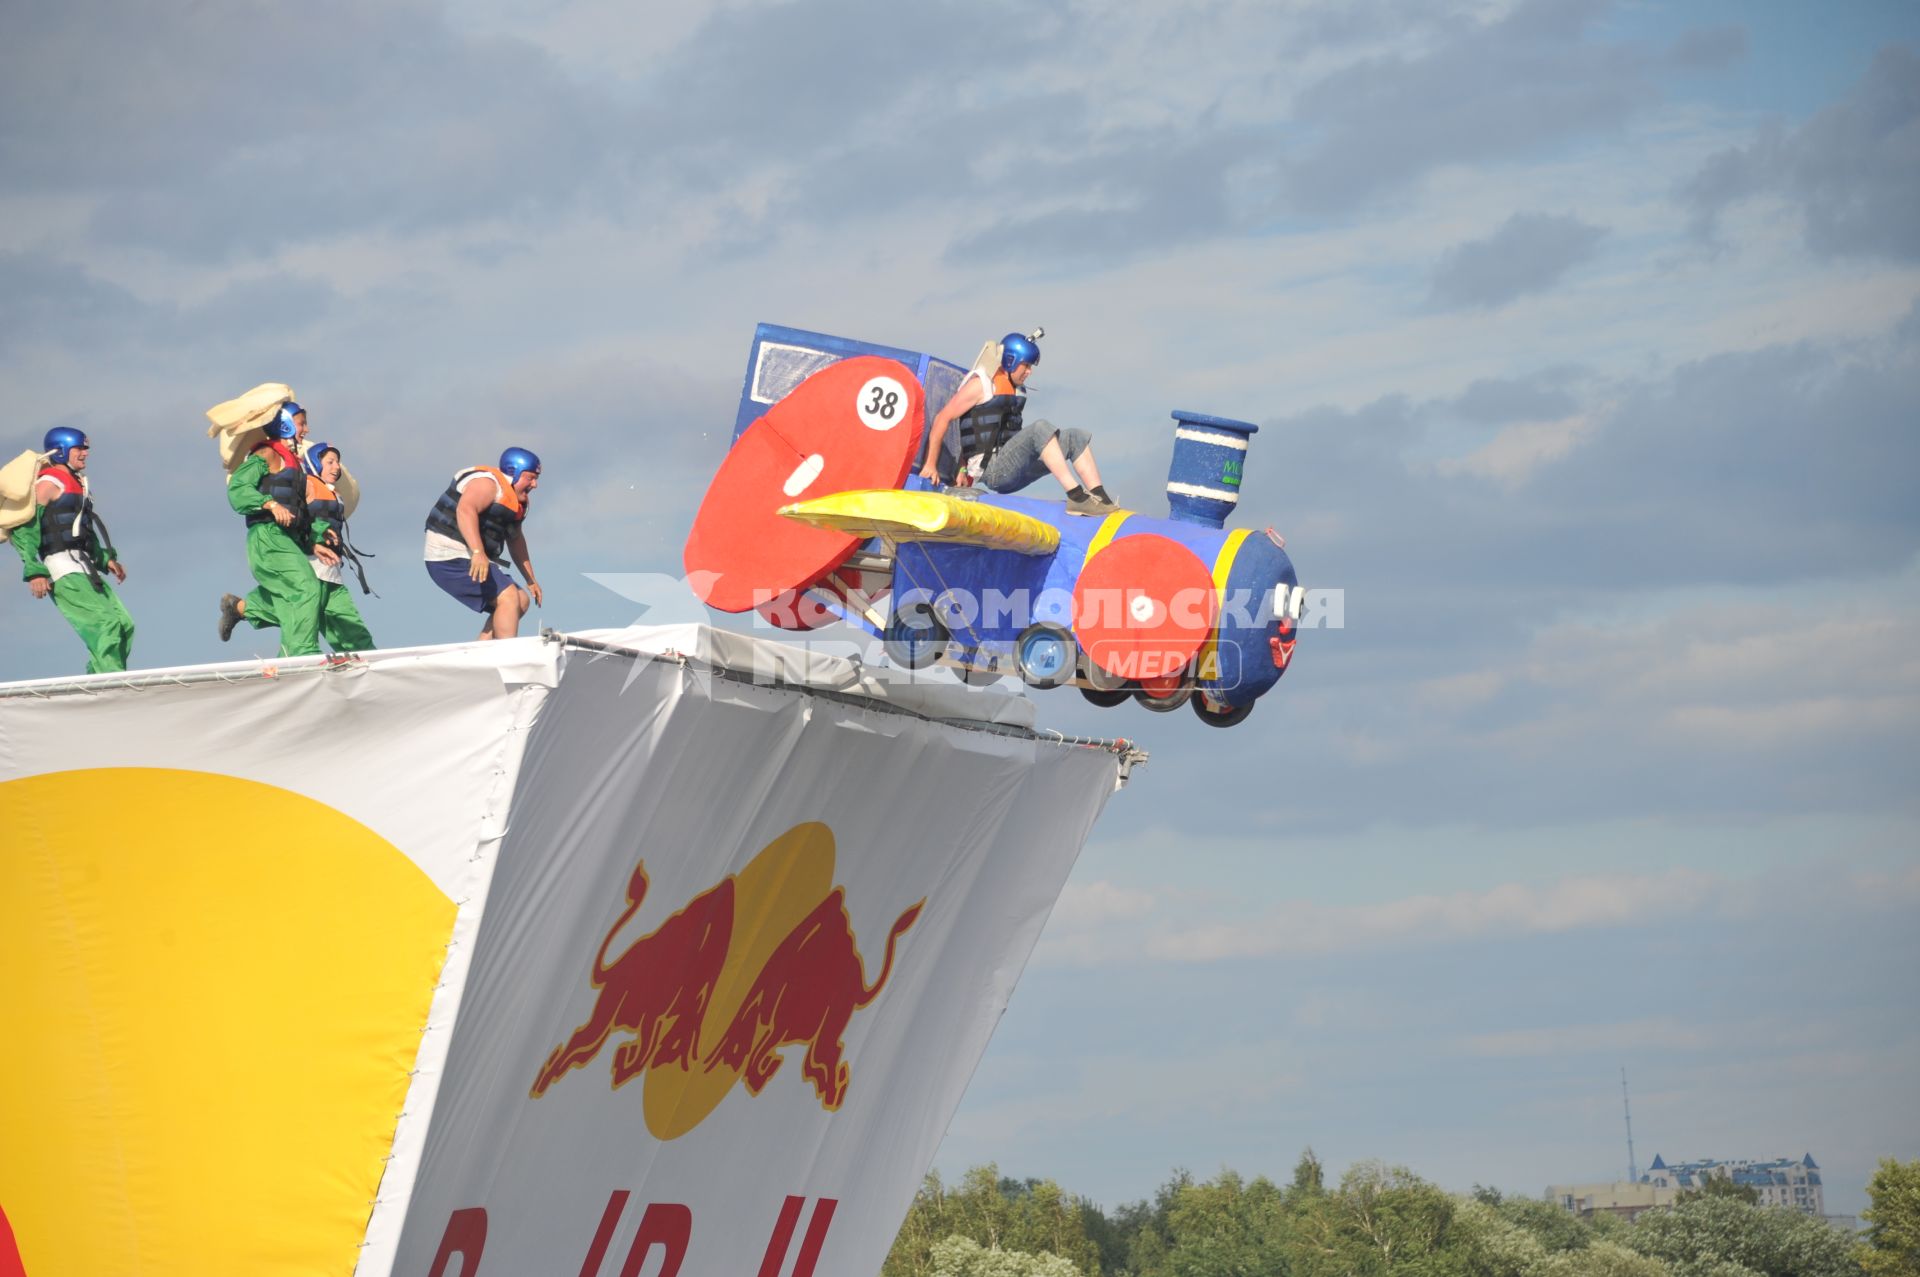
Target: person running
x=340 y=623
x=993 y=445
x=269 y=489
x=65 y=548
x=482 y=514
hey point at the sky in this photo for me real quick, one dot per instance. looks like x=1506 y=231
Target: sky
x=1584 y=339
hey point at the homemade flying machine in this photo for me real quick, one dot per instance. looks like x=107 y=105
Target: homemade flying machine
x=818 y=514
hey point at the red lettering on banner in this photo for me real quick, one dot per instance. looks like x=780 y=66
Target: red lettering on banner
x=603 y=1235
x=816 y=1238
x=466 y=1236
x=667 y=1225
x=782 y=1238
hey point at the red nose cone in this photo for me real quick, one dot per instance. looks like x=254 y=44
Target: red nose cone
x=854 y=424
x=1143 y=607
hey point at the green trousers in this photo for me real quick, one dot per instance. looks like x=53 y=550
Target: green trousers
x=99 y=618
x=287 y=594
x=340 y=622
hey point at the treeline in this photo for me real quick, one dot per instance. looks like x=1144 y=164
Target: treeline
x=1383 y=1220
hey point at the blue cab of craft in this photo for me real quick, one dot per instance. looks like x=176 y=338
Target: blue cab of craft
x=1203 y=483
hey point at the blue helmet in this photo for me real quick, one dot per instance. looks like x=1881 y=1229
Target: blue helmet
x=315 y=455
x=1019 y=348
x=515 y=462
x=60 y=440
x=283 y=425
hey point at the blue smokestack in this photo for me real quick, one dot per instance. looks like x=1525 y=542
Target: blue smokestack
x=1203 y=483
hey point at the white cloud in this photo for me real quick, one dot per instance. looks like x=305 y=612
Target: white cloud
x=1742 y=677
x=1302 y=928
x=1102 y=922
x=1511 y=457
x=1092 y=904
x=1453 y=693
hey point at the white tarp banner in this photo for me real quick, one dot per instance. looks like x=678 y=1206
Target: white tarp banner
x=235 y=914
x=504 y=958
x=743 y=951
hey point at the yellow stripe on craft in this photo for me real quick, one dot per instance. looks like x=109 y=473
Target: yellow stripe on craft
x=1109 y=528
x=926 y=516
x=1209 y=660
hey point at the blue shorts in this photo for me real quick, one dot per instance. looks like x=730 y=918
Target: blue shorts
x=451 y=576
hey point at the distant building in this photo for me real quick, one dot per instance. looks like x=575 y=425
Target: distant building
x=1783 y=1182
x=1624 y=1198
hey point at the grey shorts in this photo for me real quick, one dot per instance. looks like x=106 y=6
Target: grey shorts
x=1018 y=463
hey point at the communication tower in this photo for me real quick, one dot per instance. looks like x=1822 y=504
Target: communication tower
x=1633 y=1167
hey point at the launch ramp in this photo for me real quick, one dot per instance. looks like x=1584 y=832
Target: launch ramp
x=653 y=950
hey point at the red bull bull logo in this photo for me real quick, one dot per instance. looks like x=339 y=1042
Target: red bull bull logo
x=762 y=961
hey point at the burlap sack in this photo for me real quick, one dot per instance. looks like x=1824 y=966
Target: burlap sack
x=239 y=425
x=16 y=489
x=987 y=361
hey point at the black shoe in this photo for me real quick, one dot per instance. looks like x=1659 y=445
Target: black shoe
x=229 y=615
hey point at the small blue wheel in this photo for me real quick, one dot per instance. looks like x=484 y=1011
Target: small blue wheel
x=915 y=637
x=1045 y=655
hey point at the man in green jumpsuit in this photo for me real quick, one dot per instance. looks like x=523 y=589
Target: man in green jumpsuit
x=64 y=548
x=270 y=489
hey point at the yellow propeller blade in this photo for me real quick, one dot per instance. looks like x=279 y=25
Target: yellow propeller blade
x=926 y=516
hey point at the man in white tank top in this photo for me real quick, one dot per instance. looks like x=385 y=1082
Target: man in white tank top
x=992 y=444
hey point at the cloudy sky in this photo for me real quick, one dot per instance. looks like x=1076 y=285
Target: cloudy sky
x=1585 y=340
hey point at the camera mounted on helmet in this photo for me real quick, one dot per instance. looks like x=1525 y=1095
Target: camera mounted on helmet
x=1020 y=348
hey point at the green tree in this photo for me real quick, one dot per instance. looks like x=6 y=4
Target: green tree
x=1028 y=1216
x=1555 y=1228
x=1147 y=1229
x=923 y=1226
x=1227 y=1227
x=1892 y=1248
x=1600 y=1259
x=1309 y=1178
x=1380 y=1220
x=1490 y=1244
x=964 y=1257
x=1719 y=1186
x=1109 y=1237
x=1703 y=1236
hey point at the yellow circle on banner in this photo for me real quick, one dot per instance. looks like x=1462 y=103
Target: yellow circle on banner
x=214 y=992
x=778 y=888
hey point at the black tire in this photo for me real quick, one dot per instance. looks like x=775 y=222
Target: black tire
x=1165 y=704
x=1231 y=717
x=915 y=637
x=1093 y=676
x=974 y=676
x=1107 y=700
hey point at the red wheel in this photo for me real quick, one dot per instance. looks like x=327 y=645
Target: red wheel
x=1143 y=607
